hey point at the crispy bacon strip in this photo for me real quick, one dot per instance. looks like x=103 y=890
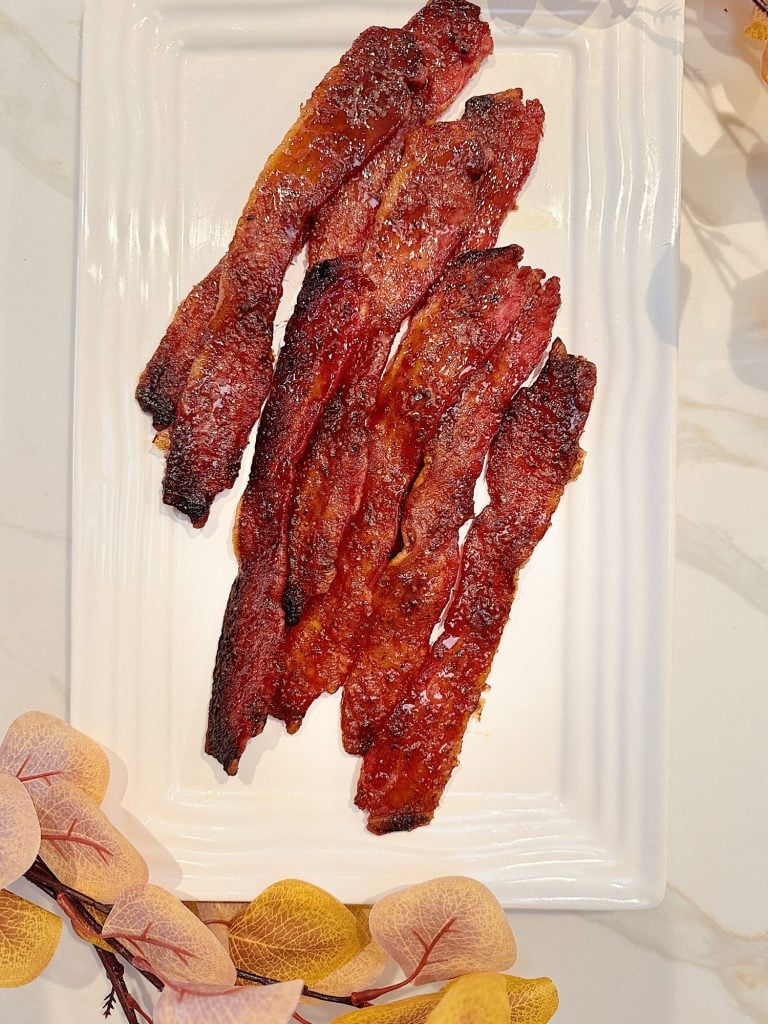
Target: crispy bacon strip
x=337 y=640
x=332 y=471
x=354 y=111
x=340 y=127
x=462 y=318
x=415 y=586
x=454 y=42
x=534 y=456
x=165 y=375
x=416 y=231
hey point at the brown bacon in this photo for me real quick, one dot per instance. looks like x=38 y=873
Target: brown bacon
x=414 y=588
x=454 y=42
x=534 y=456
x=337 y=640
x=332 y=472
x=165 y=375
x=354 y=111
x=416 y=231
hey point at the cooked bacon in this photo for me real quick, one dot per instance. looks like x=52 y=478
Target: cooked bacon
x=415 y=586
x=165 y=375
x=454 y=42
x=355 y=110
x=336 y=640
x=344 y=307
x=460 y=320
x=332 y=472
x=534 y=456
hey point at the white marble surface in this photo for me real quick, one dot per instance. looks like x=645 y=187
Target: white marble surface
x=702 y=956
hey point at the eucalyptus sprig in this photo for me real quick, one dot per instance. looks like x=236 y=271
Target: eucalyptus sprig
x=230 y=963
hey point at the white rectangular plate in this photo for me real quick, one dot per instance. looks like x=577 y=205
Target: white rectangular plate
x=559 y=800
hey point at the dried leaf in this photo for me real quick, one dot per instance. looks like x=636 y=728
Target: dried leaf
x=82 y=848
x=531 y=1000
x=363 y=969
x=414 y=1010
x=156 y=926
x=272 y=1004
x=41 y=749
x=453 y=925
x=294 y=930
x=19 y=830
x=764 y=65
x=29 y=936
x=474 y=999
x=758 y=26
x=217 y=917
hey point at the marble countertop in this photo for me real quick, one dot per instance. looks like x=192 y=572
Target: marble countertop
x=703 y=954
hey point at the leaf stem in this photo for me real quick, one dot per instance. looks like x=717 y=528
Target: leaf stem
x=368 y=995
x=116 y=974
x=260 y=979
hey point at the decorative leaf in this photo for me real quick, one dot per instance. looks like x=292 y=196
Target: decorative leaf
x=474 y=999
x=217 y=917
x=41 y=749
x=414 y=1010
x=29 y=936
x=82 y=848
x=19 y=830
x=272 y=1004
x=531 y=1000
x=449 y=926
x=363 y=969
x=157 y=927
x=294 y=930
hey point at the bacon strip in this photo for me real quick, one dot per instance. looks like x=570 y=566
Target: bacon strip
x=416 y=231
x=414 y=588
x=337 y=641
x=356 y=109
x=534 y=456
x=454 y=42
x=332 y=472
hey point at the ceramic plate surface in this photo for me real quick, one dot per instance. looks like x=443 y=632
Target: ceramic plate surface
x=559 y=800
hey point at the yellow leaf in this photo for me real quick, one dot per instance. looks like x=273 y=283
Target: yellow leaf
x=294 y=930
x=217 y=917
x=474 y=999
x=362 y=970
x=531 y=1000
x=450 y=925
x=82 y=847
x=41 y=749
x=29 y=936
x=758 y=26
x=19 y=830
x=271 y=1004
x=414 y=1010
x=157 y=927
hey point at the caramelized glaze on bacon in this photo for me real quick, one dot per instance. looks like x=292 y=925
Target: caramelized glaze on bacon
x=352 y=113
x=332 y=471
x=414 y=588
x=416 y=231
x=534 y=456
x=454 y=42
x=336 y=640
x=165 y=375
